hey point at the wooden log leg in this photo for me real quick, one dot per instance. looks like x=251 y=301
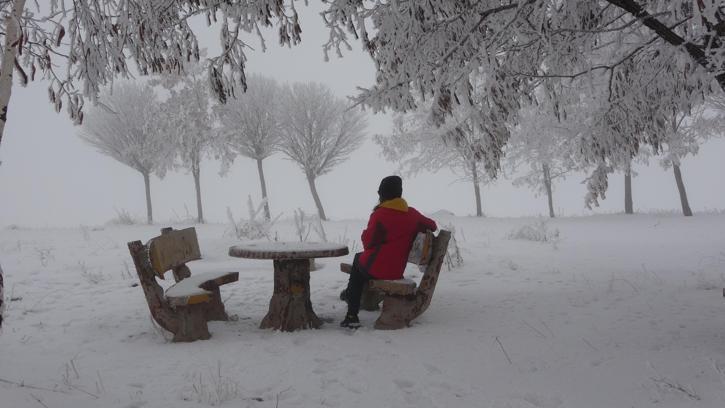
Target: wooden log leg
x=396 y=313
x=192 y=324
x=161 y=312
x=300 y=314
x=215 y=308
x=370 y=299
x=279 y=301
x=290 y=307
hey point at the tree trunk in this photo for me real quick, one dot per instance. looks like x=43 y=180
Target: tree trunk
x=476 y=189
x=316 y=197
x=290 y=308
x=549 y=192
x=12 y=30
x=2 y=297
x=7 y=66
x=260 y=170
x=149 y=211
x=686 y=211
x=628 y=203
x=196 y=171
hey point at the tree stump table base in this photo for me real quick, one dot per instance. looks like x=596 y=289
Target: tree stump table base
x=290 y=308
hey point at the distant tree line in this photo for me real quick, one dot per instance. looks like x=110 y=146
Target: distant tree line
x=544 y=139
x=150 y=134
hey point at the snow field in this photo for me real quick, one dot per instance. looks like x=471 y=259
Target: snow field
x=617 y=311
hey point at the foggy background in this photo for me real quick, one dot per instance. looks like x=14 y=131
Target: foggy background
x=49 y=177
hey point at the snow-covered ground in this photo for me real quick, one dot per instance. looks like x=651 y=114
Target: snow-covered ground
x=618 y=311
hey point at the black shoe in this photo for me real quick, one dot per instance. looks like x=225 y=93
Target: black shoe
x=350 y=322
x=343 y=295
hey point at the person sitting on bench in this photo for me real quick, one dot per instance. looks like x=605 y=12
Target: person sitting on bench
x=387 y=240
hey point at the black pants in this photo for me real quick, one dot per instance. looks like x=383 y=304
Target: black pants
x=358 y=278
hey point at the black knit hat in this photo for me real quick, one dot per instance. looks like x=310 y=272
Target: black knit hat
x=390 y=187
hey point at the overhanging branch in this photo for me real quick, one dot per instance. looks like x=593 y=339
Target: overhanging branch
x=696 y=52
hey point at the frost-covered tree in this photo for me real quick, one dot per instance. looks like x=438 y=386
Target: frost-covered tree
x=635 y=105
x=318 y=131
x=79 y=46
x=186 y=123
x=686 y=132
x=418 y=145
x=249 y=126
x=126 y=128
x=542 y=148
x=683 y=139
x=433 y=46
x=445 y=41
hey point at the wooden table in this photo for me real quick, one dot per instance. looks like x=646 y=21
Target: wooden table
x=290 y=307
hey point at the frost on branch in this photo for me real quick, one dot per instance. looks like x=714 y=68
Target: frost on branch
x=249 y=124
x=250 y=127
x=126 y=128
x=186 y=123
x=318 y=131
x=544 y=145
x=433 y=47
x=597 y=184
x=82 y=45
x=417 y=144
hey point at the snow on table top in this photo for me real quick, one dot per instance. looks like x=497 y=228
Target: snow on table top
x=288 y=250
x=190 y=285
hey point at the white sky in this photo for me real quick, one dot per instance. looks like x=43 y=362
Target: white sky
x=48 y=177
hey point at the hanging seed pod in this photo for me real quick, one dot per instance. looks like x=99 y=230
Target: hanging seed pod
x=61 y=34
x=23 y=76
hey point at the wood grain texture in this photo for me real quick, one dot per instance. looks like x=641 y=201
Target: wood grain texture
x=173 y=249
x=290 y=308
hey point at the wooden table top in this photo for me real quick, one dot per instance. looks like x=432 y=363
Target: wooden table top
x=288 y=250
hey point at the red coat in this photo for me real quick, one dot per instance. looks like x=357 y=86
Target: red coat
x=389 y=236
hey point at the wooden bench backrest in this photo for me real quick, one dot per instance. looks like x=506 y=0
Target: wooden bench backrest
x=154 y=293
x=172 y=249
x=430 y=277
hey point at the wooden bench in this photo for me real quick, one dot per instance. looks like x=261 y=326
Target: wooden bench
x=402 y=300
x=186 y=306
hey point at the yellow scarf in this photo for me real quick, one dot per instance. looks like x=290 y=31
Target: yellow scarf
x=395 y=204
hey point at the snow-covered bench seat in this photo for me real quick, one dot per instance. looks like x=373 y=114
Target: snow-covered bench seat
x=192 y=290
x=186 y=307
x=402 y=300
